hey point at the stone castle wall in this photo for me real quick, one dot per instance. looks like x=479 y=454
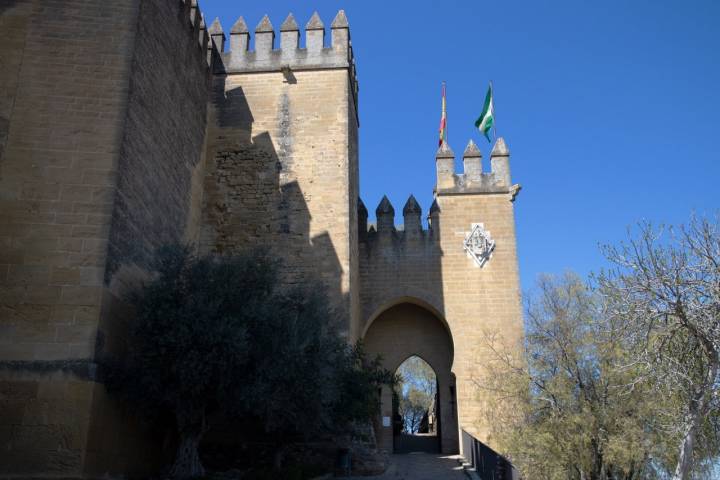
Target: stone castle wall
x=55 y=200
x=282 y=167
x=158 y=195
x=98 y=146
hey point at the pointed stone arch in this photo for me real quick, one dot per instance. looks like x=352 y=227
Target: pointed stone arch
x=401 y=328
x=399 y=296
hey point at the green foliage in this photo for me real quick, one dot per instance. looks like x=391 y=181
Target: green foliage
x=620 y=380
x=305 y=378
x=222 y=333
x=188 y=337
x=359 y=381
x=575 y=410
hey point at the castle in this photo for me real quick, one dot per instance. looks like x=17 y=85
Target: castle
x=125 y=125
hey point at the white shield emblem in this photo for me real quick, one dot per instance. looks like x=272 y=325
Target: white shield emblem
x=478 y=244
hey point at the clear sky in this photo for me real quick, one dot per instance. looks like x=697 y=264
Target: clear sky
x=611 y=109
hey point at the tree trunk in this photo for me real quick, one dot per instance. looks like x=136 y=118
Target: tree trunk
x=698 y=410
x=279 y=457
x=187 y=459
x=682 y=470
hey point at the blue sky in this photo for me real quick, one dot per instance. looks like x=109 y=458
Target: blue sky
x=610 y=109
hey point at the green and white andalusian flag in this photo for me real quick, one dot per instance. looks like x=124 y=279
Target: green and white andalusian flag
x=486 y=120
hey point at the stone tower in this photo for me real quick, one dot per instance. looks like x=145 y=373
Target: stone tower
x=282 y=152
x=439 y=293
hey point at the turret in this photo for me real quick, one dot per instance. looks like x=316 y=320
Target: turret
x=472 y=163
x=289 y=56
x=385 y=214
x=500 y=163
x=314 y=34
x=445 y=164
x=473 y=180
x=411 y=217
x=264 y=38
x=239 y=36
x=289 y=35
x=340 y=33
x=217 y=40
x=362 y=220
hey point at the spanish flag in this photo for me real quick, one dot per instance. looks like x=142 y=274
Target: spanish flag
x=443 y=120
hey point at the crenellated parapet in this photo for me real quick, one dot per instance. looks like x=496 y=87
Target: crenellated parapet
x=267 y=56
x=386 y=233
x=473 y=180
x=192 y=16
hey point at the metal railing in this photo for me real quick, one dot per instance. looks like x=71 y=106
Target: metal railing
x=487 y=463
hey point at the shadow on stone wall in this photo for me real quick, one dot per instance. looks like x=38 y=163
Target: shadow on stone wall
x=161 y=151
x=251 y=198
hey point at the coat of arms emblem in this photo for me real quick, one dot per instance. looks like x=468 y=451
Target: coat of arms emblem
x=479 y=244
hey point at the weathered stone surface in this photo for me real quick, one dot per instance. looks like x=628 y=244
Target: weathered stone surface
x=289 y=25
x=239 y=26
x=315 y=23
x=282 y=172
x=340 y=20
x=102 y=126
x=264 y=25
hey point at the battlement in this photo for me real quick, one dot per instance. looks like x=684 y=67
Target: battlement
x=473 y=180
x=192 y=16
x=385 y=229
x=289 y=56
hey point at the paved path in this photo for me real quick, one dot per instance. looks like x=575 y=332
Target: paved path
x=421 y=466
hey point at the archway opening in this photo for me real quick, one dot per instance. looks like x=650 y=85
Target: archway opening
x=415 y=407
x=408 y=335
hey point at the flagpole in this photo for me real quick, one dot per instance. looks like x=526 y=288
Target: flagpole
x=445 y=112
x=492 y=95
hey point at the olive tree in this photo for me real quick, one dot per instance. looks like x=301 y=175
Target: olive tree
x=224 y=334
x=187 y=340
x=305 y=380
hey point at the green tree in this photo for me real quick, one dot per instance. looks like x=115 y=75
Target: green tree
x=222 y=333
x=305 y=380
x=187 y=345
x=573 y=410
